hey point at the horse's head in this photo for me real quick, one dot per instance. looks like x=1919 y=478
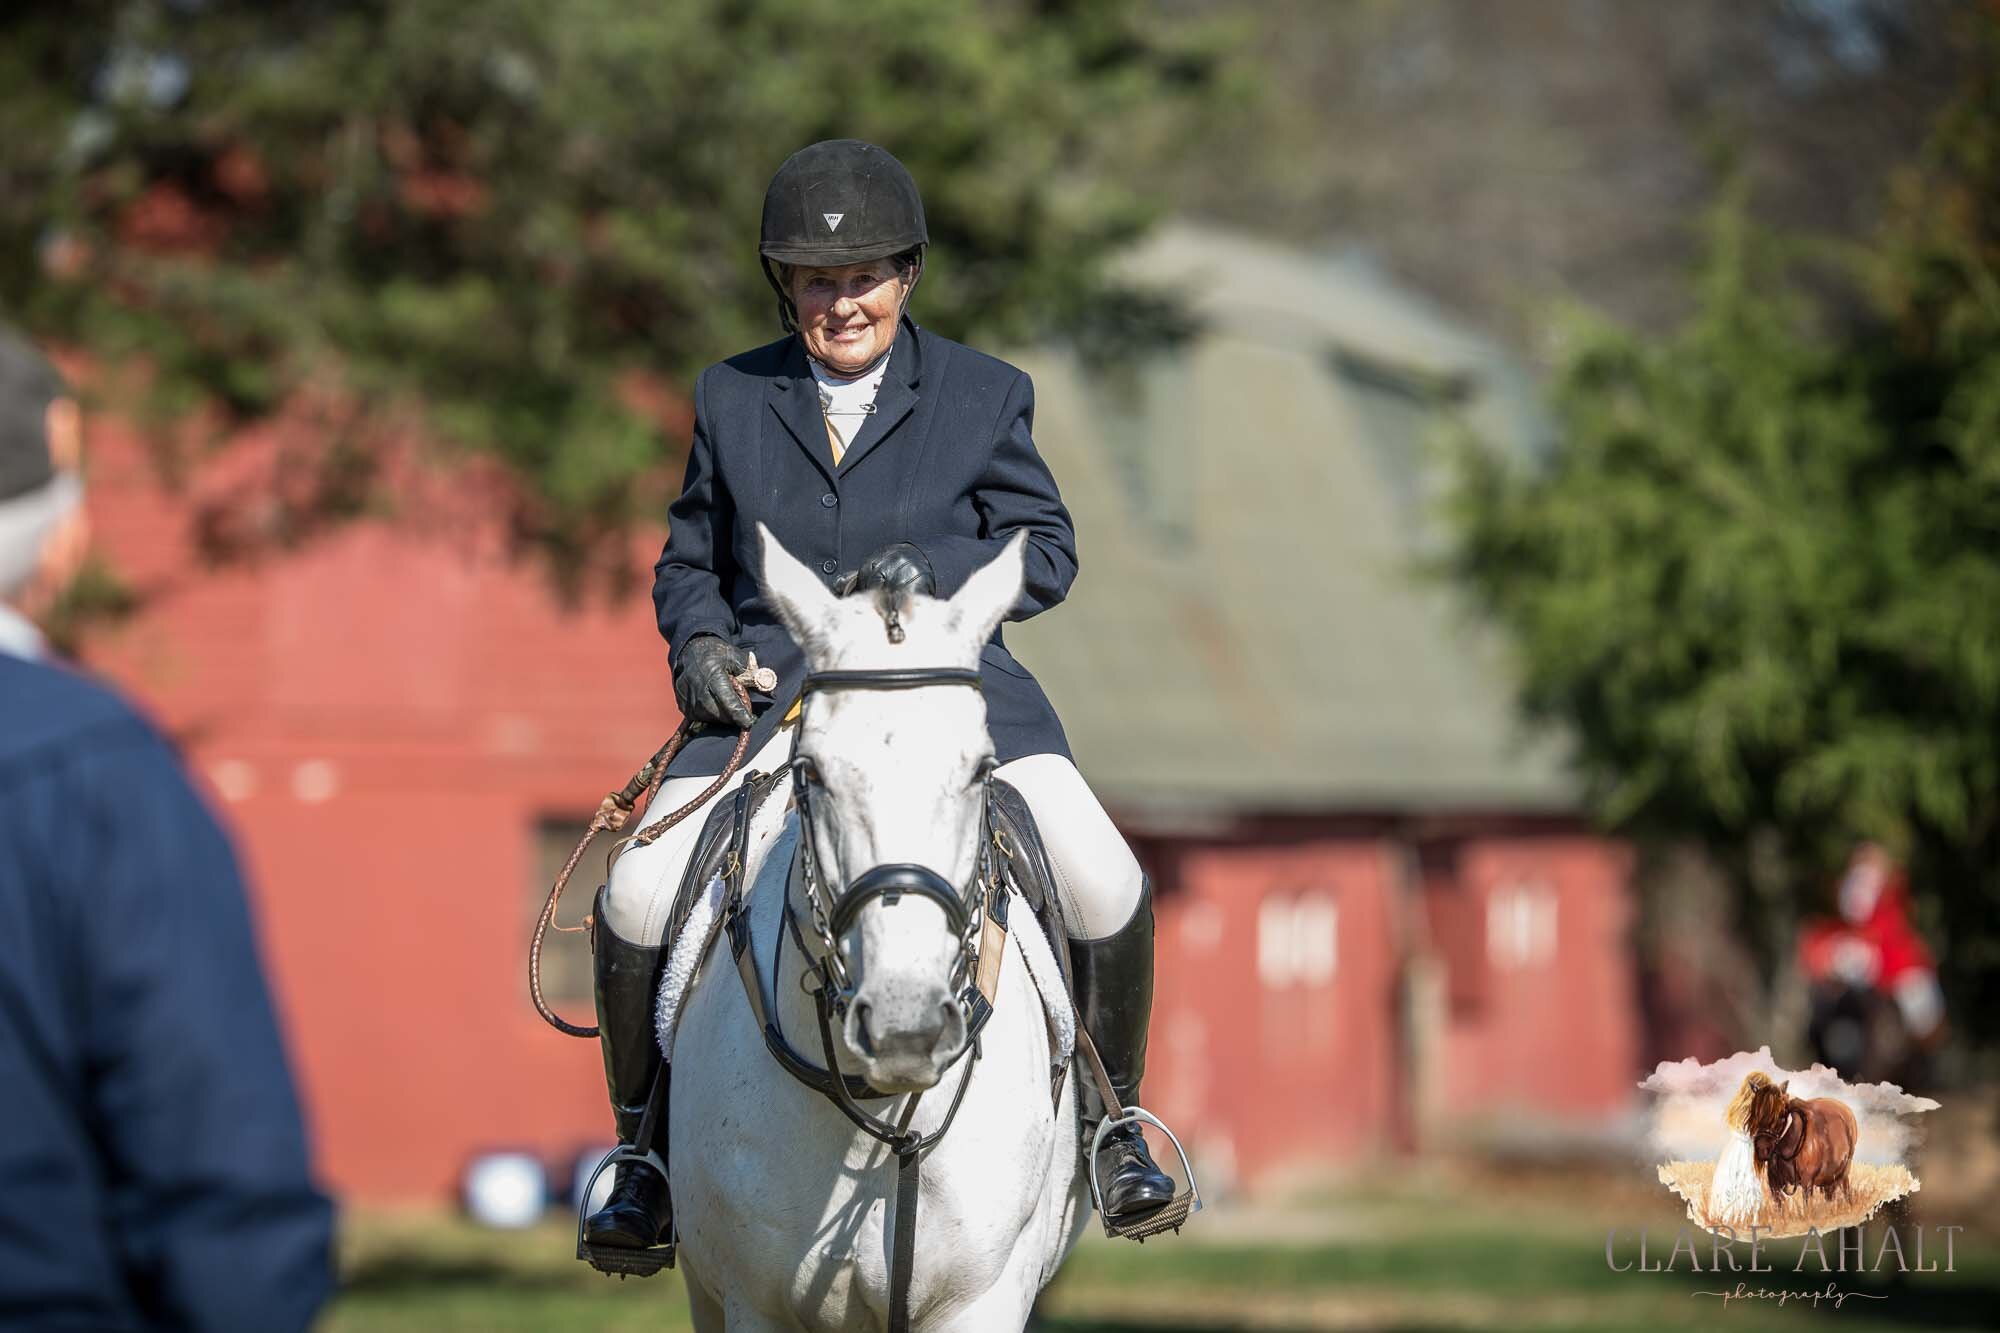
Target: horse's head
x=896 y=778
x=1745 y=1100
x=1764 y=1112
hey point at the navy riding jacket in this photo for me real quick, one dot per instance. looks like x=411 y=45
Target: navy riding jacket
x=153 y=1170
x=946 y=462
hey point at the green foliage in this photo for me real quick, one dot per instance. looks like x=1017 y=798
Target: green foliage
x=505 y=210
x=1760 y=579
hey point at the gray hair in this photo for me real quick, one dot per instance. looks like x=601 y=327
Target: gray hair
x=28 y=384
x=903 y=261
x=25 y=524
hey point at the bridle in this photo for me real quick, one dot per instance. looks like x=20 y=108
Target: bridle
x=827 y=979
x=1773 y=1138
x=833 y=913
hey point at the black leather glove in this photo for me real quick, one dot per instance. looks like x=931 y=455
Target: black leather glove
x=703 y=681
x=899 y=567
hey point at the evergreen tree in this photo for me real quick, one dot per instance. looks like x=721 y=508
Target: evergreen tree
x=1759 y=579
x=534 y=222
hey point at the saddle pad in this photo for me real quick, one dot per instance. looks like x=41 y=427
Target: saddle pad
x=696 y=934
x=1047 y=975
x=697 y=918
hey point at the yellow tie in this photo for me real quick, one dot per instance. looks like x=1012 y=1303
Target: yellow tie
x=833 y=437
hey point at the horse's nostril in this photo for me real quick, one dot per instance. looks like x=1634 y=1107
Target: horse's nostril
x=951 y=1032
x=858 y=1034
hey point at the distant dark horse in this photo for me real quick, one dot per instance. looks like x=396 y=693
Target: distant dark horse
x=1802 y=1145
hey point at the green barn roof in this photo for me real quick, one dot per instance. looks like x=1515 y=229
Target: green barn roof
x=1249 y=632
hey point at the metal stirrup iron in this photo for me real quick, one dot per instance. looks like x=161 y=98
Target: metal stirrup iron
x=1169 y=1216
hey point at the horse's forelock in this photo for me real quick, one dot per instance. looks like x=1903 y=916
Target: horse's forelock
x=1768 y=1106
x=861 y=638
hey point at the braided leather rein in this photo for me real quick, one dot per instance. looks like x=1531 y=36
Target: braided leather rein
x=612 y=812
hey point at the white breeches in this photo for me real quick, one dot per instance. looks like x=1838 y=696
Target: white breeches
x=1096 y=873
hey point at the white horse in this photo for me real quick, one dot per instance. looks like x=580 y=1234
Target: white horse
x=784 y=1207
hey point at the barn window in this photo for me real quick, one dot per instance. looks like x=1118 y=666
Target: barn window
x=565 y=955
x=1298 y=940
x=1145 y=415
x=1398 y=409
x=1521 y=924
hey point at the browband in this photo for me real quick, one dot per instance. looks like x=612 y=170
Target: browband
x=907 y=679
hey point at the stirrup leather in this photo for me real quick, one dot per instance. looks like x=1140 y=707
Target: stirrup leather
x=1169 y=1216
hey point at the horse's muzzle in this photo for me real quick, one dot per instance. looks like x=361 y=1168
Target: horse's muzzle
x=905 y=1047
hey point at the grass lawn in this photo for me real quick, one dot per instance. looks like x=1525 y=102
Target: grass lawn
x=1444 y=1252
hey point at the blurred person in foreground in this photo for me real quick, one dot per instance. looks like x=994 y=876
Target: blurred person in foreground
x=153 y=1169
x=1877 y=1011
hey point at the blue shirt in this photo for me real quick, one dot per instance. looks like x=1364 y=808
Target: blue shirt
x=153 y=1166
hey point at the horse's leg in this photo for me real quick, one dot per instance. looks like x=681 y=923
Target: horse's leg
x=1004 y=1305
x=738 y=1317
x=704 y=1311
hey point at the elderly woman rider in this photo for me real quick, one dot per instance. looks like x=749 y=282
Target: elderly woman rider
x=880 y=454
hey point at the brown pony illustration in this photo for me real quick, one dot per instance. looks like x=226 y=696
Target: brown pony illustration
x=1803 y=1146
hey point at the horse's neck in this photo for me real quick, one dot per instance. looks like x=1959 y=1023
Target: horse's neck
x=1791 y=1127
x=770 y=867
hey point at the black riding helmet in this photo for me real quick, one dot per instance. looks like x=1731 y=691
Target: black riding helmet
x=840 y=201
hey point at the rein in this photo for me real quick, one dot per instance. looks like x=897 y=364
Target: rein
x=613 y=811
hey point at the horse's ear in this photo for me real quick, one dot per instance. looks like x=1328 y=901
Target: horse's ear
x=805 y=605
x=978 y=608
x=1784 y=1087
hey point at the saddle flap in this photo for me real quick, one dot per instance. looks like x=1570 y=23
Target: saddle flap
x=717 y=842
x=1029 y=867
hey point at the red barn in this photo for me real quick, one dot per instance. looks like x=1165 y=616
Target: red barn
x=1382 y=922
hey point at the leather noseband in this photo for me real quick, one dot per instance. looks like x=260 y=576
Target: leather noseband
x=890 y=882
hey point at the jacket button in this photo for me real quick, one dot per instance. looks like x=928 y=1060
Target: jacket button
x=829 y=500
x=828 y=566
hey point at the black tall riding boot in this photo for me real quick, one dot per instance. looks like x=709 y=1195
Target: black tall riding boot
x=1114 y=1001
x=638 y=1214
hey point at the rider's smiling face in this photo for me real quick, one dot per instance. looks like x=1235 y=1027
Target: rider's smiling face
x=848 y=314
